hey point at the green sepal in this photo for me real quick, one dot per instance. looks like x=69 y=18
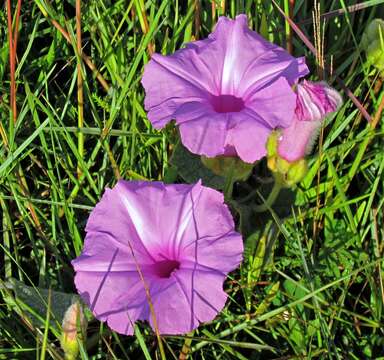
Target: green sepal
x=228 y=166
x=285 y=172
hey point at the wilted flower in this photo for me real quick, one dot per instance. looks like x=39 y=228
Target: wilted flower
x=226 y=92
x=180 y=237
x=314 y=102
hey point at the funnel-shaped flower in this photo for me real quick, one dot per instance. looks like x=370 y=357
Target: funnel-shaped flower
x=314 y=102
x=226 y=92
x=180 y=237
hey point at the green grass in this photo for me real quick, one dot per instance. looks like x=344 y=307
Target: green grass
x=311 y=284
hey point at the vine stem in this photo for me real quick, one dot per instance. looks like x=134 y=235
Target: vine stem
x=80 y=94
x=229 y=181
x=271 y=198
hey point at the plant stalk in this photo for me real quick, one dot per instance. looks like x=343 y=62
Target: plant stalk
x=271 y=198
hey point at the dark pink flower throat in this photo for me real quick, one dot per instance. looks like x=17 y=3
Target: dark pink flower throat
x=165 y=268
x=227 y=103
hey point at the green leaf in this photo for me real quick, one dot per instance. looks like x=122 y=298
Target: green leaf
x=36 y=301
x=191 y=169
x=50 y=57
x=295 y=292
x=255 y=264
x=10 y=161
x=264 y=32
x=142 y=344
x=296 y=333
x=313 y=327
x=272 y=292
x=256 y=261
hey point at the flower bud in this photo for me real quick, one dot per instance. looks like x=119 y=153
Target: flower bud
x=228 y=166
x=372 y=42
x=285 y=172
x=287 y=148
x=73 y=330
x=314 y=102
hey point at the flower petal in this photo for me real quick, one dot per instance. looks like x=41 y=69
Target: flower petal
x=123 y=321
x=233 y=60
x=239 y=59
x=156 y=229
x=211 y=216
x=102 y=254
x=111 y=216
x=198 y=295
x=204 y=252
x=100 y=291
x=296 y=140
x=249 y=137
x=316 y=100
x=206 y=134
x=204 y=290
x=275 y=104
x=158 y=232
x=170 y=82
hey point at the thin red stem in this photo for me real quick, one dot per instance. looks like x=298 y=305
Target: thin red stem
x=330 y=14
x=12 y=58
x=197 y=19
x=80 y=95
x=290 y=35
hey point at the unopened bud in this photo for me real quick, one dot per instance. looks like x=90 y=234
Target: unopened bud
x=286 y=172
x=372 y=42
x=73 y=330
x=287 y=148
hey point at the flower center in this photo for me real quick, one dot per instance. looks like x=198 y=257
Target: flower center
x=165 y=268
x=227 y=103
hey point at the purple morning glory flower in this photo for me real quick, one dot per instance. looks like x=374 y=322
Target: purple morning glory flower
x=182 y=239
x=226 y=92
x=314 y=102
